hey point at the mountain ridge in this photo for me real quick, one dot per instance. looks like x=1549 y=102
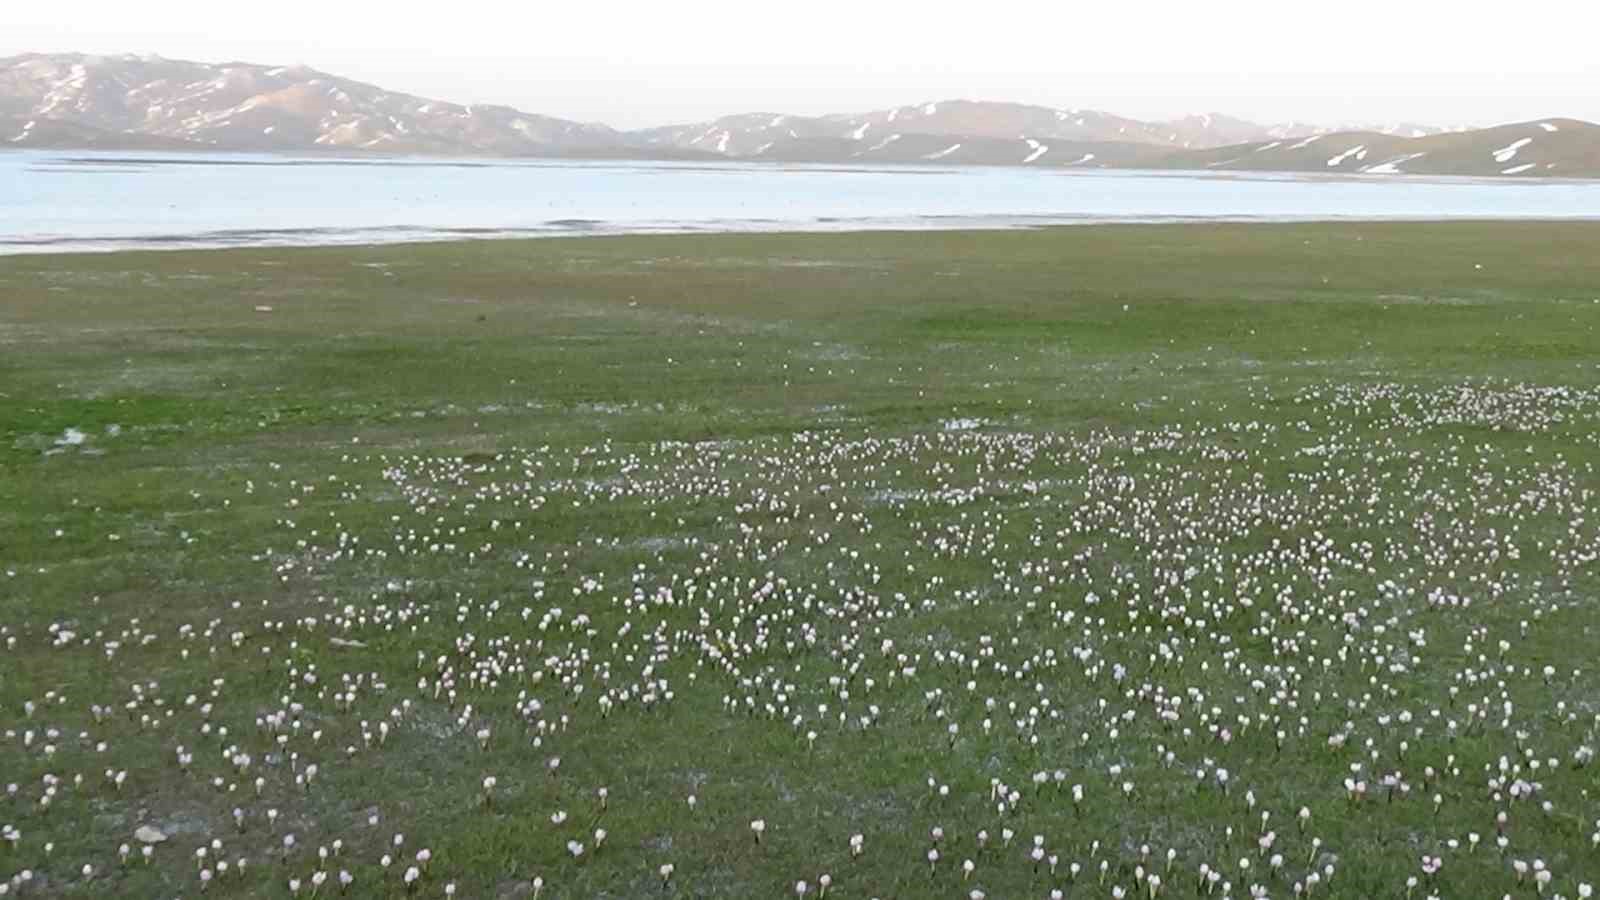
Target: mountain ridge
x=142 y=102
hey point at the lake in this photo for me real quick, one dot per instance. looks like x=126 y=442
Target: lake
x=73 y=201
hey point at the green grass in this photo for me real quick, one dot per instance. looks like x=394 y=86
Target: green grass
x=1028 y=459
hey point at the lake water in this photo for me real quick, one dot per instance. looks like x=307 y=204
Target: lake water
x=57 y=201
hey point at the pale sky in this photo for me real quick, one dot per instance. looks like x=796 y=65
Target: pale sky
x=633 y=64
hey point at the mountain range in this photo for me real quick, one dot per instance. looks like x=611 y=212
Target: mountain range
x=68 y=101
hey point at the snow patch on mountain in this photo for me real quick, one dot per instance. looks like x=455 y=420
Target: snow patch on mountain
x=1392 y=167
x=1359 y=152
x=1509 y=152
x=883 y=143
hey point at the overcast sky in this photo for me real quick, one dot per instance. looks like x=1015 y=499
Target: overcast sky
x=632 y=64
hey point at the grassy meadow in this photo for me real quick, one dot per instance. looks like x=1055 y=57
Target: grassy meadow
x=1117 y=562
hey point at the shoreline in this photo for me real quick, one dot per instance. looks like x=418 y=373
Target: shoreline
x=349 y=157
x=311 y=238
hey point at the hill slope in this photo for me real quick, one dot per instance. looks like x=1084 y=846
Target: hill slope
x=761 y=134
x=242 y=106
x=145 y=102
x=1543 y=147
